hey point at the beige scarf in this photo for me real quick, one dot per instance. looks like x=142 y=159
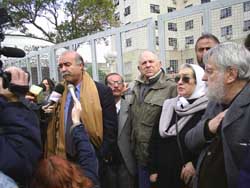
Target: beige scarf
x=91 y=117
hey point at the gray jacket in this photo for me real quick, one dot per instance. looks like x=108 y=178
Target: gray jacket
x=124 y=141
x=235 y=135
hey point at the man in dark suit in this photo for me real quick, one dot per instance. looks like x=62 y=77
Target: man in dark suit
x=124 y=168
x=98 y=113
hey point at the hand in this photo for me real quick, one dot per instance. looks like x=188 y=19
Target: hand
x=48 y=108
x=18 y=76
x=187 y=172
x=76 y=112
x=153 y=177
x=30 y=98
x=214 y=123
x=125 y=88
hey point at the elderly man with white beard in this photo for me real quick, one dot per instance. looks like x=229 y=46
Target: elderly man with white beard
x=223 y=134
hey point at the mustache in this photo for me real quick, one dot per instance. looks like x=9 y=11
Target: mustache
x=66 y=74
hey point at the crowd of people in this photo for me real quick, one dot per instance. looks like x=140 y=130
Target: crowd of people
x=156 y=132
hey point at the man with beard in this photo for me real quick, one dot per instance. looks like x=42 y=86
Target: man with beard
x=222 y=135
x=203 y=44
x=98 y=114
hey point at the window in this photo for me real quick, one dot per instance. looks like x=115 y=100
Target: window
x=174 y=65
x=171 y=9
x=172 y=26
x=189 y=25
x=155 y=8
x=128 y=42
x=189 y=6
x=246 y=6
x=117 y=16
x=127 y=11
x=205 y=1
x=157 y=41
x=172 y=42
x=228 y=30
x=189 y=40
x=128 y=67
x=116 y=2
x=246 y=26
x=190 y=61
x=156 y=24
x=226 y=12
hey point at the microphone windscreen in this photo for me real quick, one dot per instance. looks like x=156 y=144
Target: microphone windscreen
x=59 y=88
x=35 y=90
x=57 y=93
x=12 y=52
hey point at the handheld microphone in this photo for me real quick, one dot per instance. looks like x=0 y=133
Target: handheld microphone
x=71 y=88
x=56 y=94
x=12 y=52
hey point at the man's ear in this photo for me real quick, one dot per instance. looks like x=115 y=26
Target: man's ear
x=82 y=66
x=232 y=74
x=138 y=67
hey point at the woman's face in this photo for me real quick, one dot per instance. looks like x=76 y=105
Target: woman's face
x=45 y=82
x=185 y=82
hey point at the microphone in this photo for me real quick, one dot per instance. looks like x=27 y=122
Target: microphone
x=71 y=88
x=12 y=52
x=56 y=95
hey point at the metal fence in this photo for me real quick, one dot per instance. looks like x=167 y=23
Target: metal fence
x=176 y=33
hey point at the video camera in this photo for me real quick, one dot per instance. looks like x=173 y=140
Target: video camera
x=5 y=19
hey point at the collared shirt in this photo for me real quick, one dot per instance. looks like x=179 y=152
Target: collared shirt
x=67 y=102
x=118 y=106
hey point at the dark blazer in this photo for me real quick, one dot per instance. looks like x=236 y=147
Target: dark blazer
x=109 y=120
x=20 y=141
x=235 y=135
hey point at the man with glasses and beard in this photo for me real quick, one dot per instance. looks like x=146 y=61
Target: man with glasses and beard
x=223 y=133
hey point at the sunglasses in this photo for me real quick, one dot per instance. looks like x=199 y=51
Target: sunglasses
x=185 y=79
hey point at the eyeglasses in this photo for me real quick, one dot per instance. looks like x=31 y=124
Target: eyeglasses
x=185 y=79
x=66 y=64
x=112 y=83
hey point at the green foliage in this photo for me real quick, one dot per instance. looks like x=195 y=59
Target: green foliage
x=70 y=19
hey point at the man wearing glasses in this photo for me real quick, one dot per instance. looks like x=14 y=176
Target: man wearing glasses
x=150 y=90
x=124 y=169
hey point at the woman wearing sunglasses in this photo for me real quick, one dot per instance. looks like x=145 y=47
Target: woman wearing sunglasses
x=171 y=164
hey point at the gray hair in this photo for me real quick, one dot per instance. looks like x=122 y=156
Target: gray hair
x=231 y=54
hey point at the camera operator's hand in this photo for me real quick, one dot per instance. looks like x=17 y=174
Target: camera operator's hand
x=18 y=76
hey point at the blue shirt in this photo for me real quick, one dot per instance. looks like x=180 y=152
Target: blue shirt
x=67 y=102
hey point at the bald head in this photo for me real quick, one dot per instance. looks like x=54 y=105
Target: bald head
x=149 y=64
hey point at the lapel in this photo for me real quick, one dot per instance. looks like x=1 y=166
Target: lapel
x=123 y=115
x=236 y=110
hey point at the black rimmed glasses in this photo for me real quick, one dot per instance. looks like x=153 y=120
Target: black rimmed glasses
x=185 y=79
